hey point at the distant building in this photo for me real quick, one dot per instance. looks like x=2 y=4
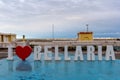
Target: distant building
x=85 y=36
x=4 y=37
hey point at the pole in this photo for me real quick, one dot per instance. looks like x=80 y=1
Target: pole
x=87 y=27
x=53 y=31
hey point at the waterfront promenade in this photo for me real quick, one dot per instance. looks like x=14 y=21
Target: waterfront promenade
x=61 y=42
x=77 y=43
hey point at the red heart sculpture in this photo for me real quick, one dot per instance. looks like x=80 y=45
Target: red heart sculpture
x=23 y=52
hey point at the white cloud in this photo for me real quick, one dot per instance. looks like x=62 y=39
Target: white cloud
x=22 y=1
x=67 y=15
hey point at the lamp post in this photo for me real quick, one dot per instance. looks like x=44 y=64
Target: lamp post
x=53 y=31
x=87 y=26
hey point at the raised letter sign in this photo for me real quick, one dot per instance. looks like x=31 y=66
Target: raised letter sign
x=10 y=53
x=56 y=53
x=46 y=53
x=37 y=54
x=90 y=53
x=99 y=52
x=78 y=53
x=110 y=53
x=66 y=53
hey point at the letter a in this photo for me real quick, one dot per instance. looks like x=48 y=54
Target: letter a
x=78 y=53
x=110 y=52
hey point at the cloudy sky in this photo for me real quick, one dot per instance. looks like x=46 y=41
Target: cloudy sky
x=34 y=18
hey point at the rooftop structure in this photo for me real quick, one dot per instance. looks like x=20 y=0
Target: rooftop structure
x=85 y=36
x=7 y=37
